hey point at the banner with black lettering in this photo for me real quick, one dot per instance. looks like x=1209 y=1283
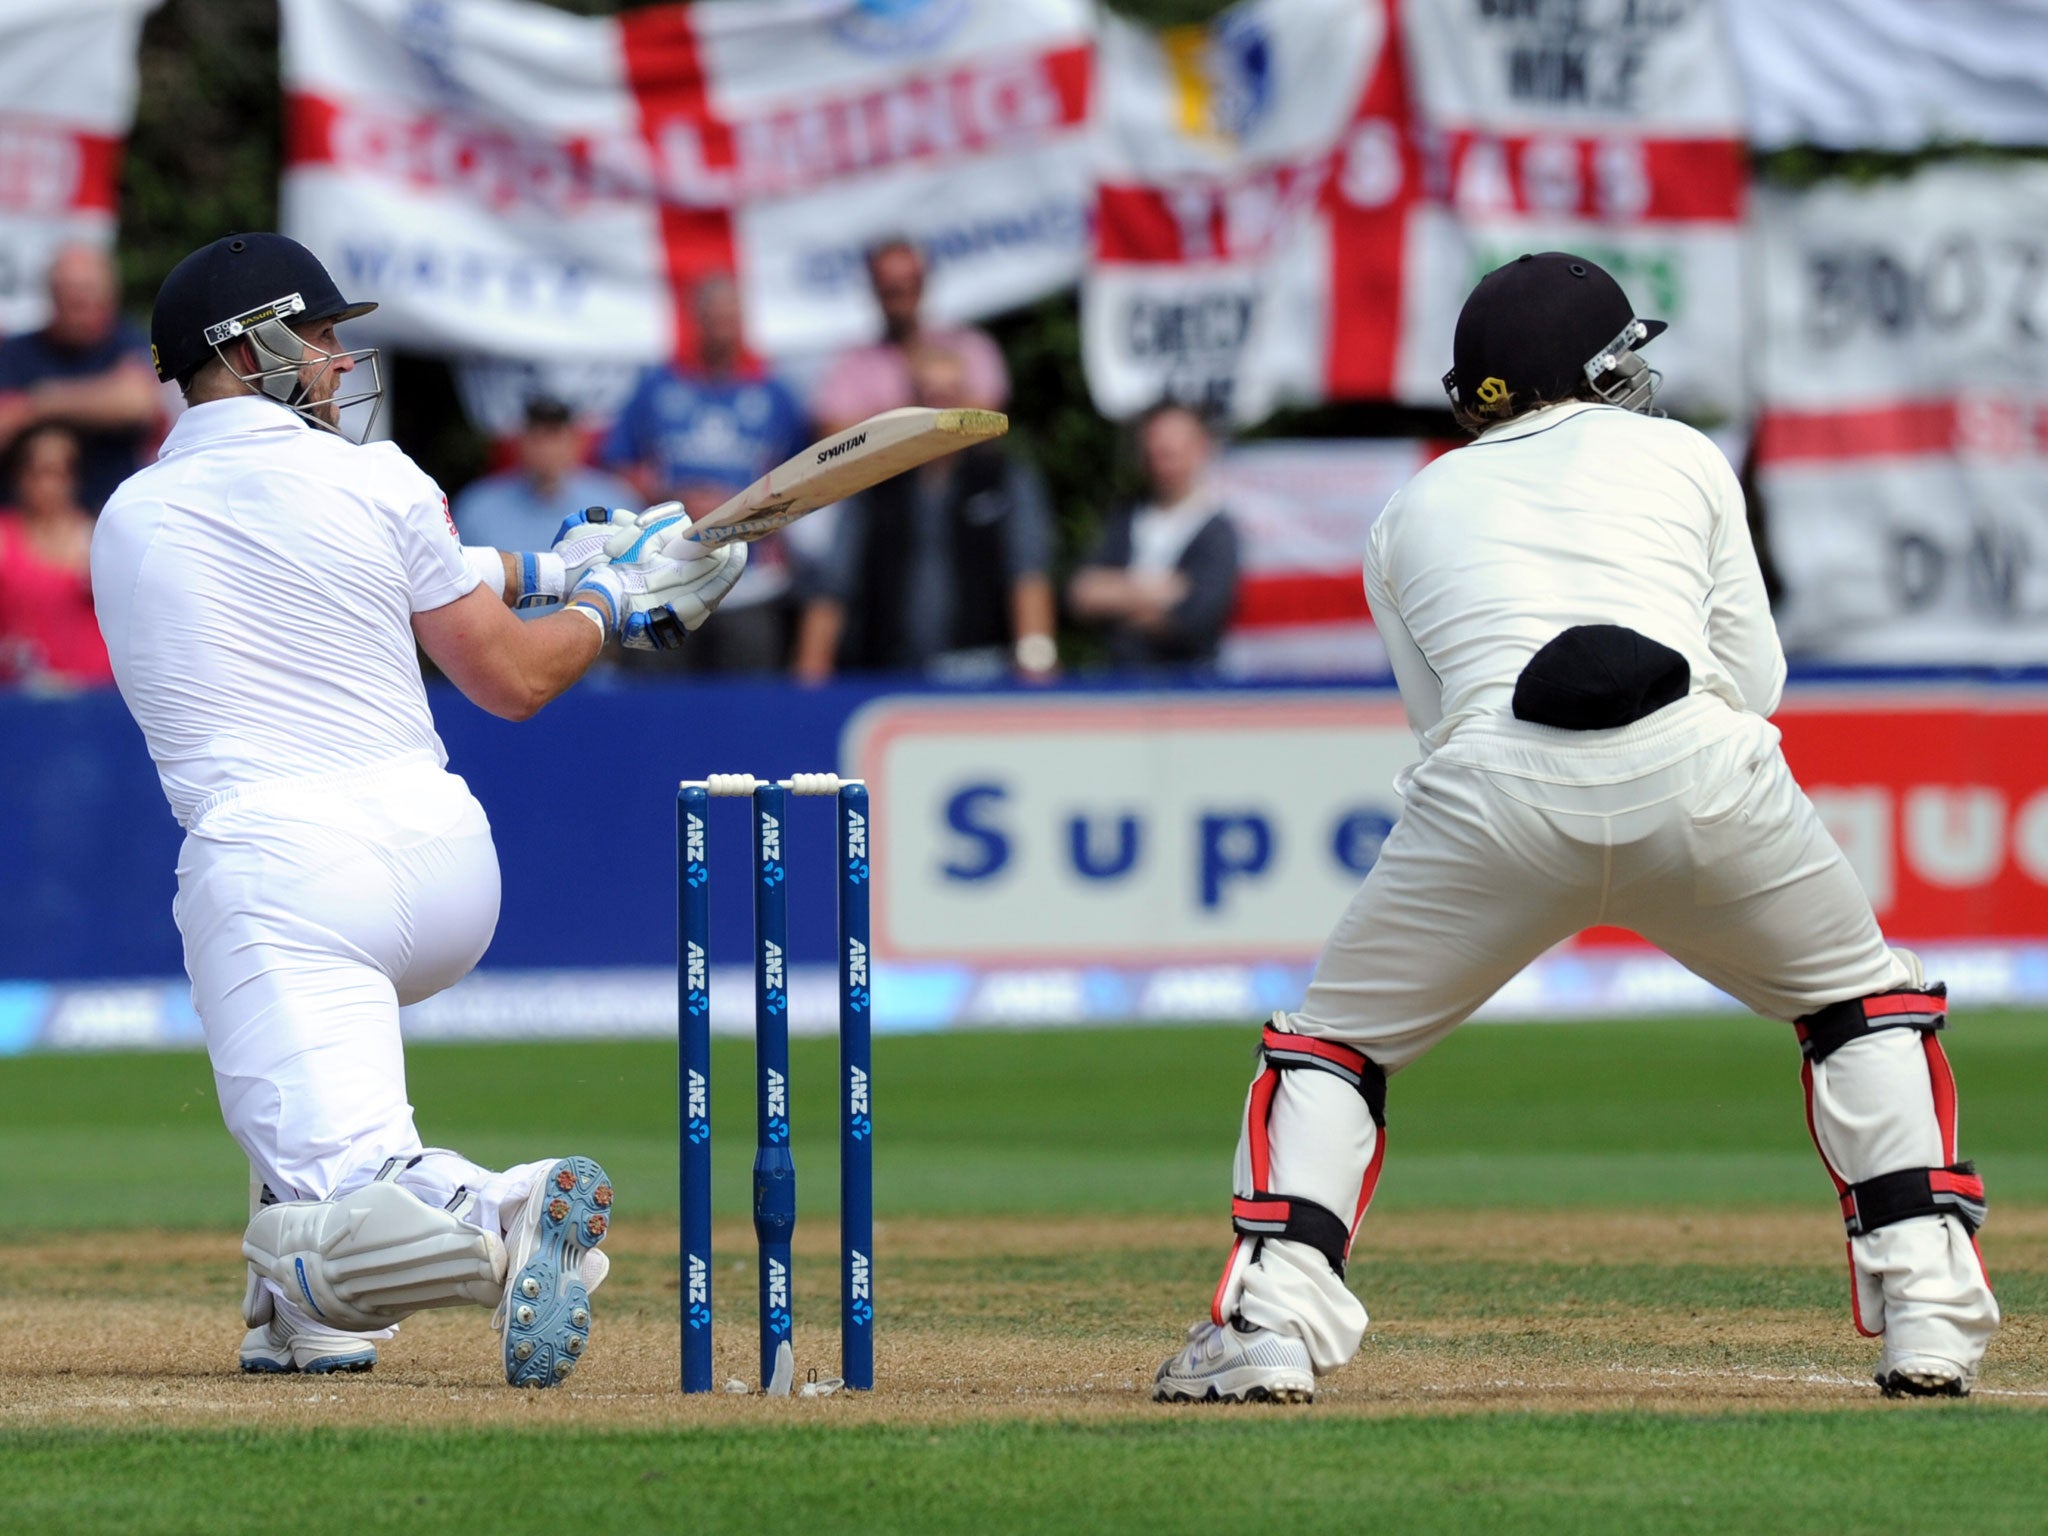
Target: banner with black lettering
x=1296 y=199
x=67 y=101
x=1215 y=151
x=1612 y=129
x=1902 y=448
x=1892 y=74
x=512 y=180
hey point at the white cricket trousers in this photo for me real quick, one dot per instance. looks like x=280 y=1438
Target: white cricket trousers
x=1688 y=828
x=311 y=909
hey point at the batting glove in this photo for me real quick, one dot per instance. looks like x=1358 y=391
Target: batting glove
x=637 y=590
x=690 y=590
x=581 y=540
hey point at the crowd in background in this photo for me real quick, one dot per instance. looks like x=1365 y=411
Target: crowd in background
x=948 y=571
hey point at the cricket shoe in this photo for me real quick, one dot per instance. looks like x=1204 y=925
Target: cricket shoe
x=545 y=1313
x=1924 y=1376
x=1237 y=1364
x=280 y=1348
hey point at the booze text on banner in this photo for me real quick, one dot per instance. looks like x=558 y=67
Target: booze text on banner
x=1903 y=441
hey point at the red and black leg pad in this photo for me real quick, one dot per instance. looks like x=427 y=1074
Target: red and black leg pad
x=1297 y=1220
x=1826 y=1031
x=1263 y=1214
x=1282 y=1052
x=1956 y=1190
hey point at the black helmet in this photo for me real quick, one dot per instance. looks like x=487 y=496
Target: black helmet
x=256 y=286
x=1541 y=328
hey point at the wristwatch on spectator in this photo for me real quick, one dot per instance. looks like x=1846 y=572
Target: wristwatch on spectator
x=1036 y=653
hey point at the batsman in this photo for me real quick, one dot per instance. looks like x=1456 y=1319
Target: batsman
x=1575 y=615
x=265 y=589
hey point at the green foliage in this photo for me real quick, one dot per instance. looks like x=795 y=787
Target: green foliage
x=203 y=159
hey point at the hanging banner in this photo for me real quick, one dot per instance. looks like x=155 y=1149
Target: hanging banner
x=1903 y=440
x=1613 y=130
x=67 y=101
x=1892 y=74
x=511 y=180
x=1297 y=198
x=1216 y=147
x=1303 y=510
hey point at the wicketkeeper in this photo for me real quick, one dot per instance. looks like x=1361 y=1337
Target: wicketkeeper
x=263 y=588
x=1577 y=622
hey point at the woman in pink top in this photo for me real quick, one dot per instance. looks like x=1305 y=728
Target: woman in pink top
x=48 y=634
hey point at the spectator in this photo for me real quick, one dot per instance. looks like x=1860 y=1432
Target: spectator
x=523 y=507
x=697 y=435
x=943 y=569
x=88 y=370
x=877 y=378
x=48 y=633
x=1162 y=579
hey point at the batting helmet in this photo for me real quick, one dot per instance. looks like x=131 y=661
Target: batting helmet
x=255 y=287
x=1544 y=328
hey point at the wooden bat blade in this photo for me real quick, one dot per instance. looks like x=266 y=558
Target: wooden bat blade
x=837 y=466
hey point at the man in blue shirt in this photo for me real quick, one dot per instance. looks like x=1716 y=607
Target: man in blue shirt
x=697 y=435
x=523 y=508
x=88 y=370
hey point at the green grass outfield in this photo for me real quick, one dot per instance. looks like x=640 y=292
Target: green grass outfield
x=1966 y=1468
x=1689 y=1113
x=1693 y=1111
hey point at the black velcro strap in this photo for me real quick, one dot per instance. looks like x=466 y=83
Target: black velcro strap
x=1284 y=1052
x=1599 y=677
x=1825 y=1032
x=1299 y=1221
x=1956 y=1191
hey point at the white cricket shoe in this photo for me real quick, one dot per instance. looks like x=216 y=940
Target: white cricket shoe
x=1924 y=1376
x=1236 y=1364
x=280 y=1348
x=545 y=1312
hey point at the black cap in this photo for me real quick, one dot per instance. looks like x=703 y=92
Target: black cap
x=231 y=278
x=1529 y=328
x=543 y=410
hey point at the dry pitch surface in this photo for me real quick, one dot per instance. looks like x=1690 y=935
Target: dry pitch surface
x=1017 y=1319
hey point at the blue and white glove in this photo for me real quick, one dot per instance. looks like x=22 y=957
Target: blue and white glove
x=647 y=598
x=580 y=541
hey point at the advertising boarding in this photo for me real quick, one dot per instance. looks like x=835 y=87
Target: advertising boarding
x=1044 y=856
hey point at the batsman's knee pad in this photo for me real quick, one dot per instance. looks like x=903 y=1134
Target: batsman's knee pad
x=371 y=1258
x=1881 y=1107
x=1325 y=1103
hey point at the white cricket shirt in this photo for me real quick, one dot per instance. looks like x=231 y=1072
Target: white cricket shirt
x=1575 y=514
x=256 y=587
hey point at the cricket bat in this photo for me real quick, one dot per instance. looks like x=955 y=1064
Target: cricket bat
x=837 y=466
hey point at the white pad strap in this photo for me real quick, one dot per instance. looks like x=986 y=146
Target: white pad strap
x=373 y=1257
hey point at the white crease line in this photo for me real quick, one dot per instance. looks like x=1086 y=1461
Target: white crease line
x=1816 y=1379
